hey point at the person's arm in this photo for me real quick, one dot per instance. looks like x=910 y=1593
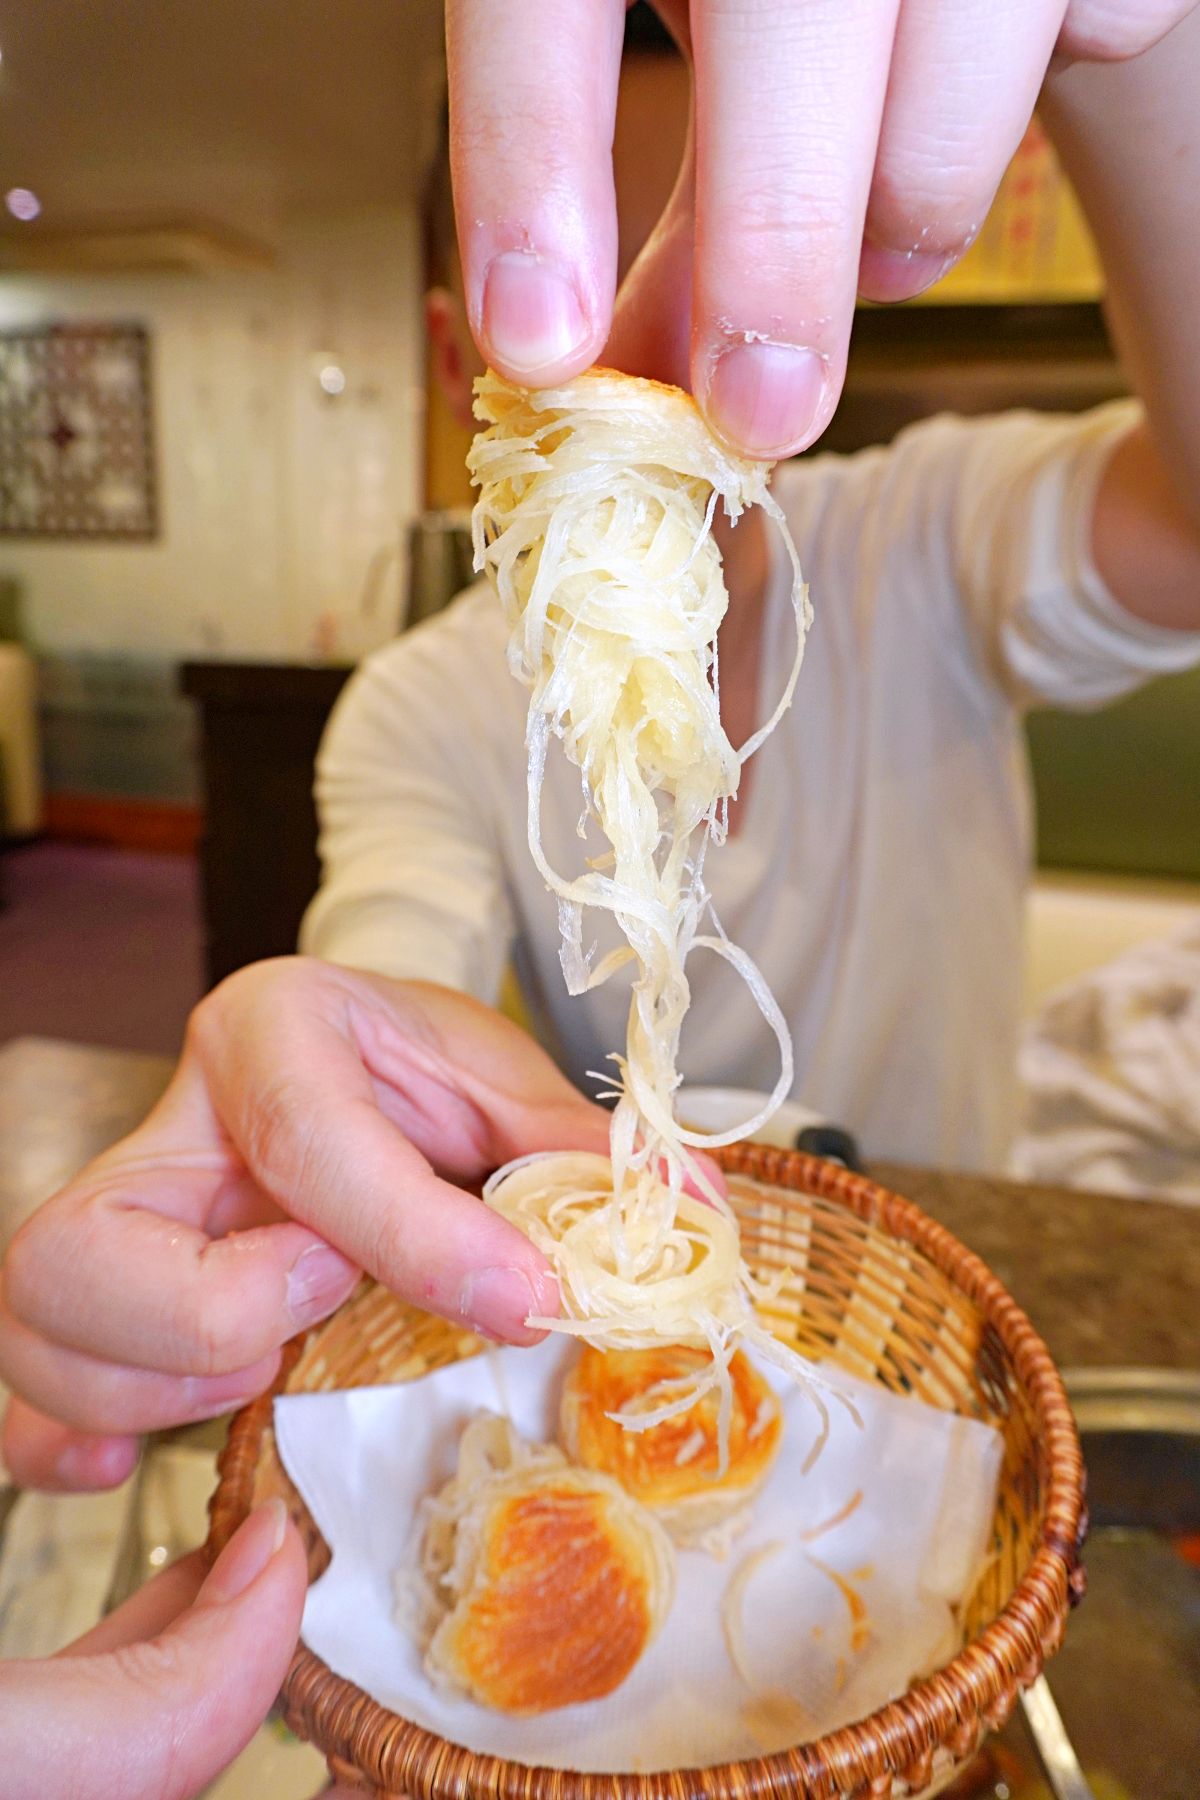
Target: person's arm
x=1129 y=135
x=412 y=884
x=972 y=538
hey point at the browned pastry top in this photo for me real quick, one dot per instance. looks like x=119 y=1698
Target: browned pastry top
x=560 y=1608
x=678 y=1458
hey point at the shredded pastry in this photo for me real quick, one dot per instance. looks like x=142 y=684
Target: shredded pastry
x=531 y=1584
x=673 y=1468
x=594 y=522
x=732 y=1603
x=489 y=1450
x=838 y=1518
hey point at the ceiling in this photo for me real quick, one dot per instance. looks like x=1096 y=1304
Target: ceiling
x=232 y=112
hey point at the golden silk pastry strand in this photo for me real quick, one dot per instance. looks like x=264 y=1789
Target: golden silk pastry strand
x=695 y=1290
x=594 y=522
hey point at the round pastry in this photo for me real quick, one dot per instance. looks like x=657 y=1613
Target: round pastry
x=542 y=1584
x=672 y=1468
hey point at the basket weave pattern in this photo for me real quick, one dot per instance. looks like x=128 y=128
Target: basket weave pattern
x=875 y=1287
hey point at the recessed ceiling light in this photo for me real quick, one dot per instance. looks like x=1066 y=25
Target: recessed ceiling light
x=23 y=204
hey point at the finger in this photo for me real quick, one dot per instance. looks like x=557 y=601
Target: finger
x=788 y=105
x=42 y=1452
x=532 y=101
x=469 y=1088
x=147 y=1612
x=304 y=1106
x=163 y=1716
x=107 y=1399
x=1112 y=30
x=102 y=1271
x=127 y=1264
x=421 y=1236
x=963 y=86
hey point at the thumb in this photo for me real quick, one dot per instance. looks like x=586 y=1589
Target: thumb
x=160 y=1718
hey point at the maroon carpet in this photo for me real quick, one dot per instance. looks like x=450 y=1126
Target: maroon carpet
x=99 y=946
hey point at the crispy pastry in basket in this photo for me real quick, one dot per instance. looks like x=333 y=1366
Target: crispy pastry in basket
x=533 y=1585
x=672 y=1468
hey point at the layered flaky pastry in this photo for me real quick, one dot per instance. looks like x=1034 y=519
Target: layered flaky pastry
x=535 y=1585
x=673 y=1468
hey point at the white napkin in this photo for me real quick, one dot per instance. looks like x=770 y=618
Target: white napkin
x=363 y=1459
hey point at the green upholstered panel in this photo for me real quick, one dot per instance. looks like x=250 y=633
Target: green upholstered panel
x=1118 y=791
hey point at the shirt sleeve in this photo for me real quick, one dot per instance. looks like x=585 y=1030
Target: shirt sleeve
x=1010 y=503
x=1037 y=607
x=412 y=880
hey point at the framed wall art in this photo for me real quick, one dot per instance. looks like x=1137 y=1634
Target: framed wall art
x=76 y=433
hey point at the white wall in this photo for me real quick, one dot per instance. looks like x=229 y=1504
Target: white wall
x=279 y=505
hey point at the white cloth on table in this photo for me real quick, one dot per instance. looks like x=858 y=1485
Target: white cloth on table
x=1110 y=1070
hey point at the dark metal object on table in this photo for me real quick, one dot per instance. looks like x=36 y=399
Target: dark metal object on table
x=1063 y=1772
x=832 y=1144
x=440 y=562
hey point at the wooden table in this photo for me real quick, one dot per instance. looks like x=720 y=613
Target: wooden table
x=1105 y=1281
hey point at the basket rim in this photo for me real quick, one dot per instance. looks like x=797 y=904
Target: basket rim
x=950 y=1709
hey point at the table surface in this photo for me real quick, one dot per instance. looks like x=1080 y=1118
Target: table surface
x=1106 y=1281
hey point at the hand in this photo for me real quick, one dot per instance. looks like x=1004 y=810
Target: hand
x=320 y=1123
x=839 y=146
x=167 y=1690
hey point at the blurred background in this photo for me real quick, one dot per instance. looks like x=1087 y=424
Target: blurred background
x=224 y=477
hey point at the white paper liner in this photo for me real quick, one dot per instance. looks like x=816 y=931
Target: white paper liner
x=364 y=1458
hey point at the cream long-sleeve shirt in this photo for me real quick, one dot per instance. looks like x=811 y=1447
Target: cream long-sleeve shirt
x=879 y=873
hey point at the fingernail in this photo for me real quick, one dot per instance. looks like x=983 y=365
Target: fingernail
x=498 y=1301
x=763 y=398
x=532 y=318
x=319 y=1280
x=97 y=1462
x=891 y=275
x=247 y=1553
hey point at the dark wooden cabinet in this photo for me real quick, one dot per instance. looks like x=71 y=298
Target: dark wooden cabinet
x=260 y=725
x=907 y=362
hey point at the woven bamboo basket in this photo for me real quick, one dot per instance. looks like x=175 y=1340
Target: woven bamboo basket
x=875 y=1287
